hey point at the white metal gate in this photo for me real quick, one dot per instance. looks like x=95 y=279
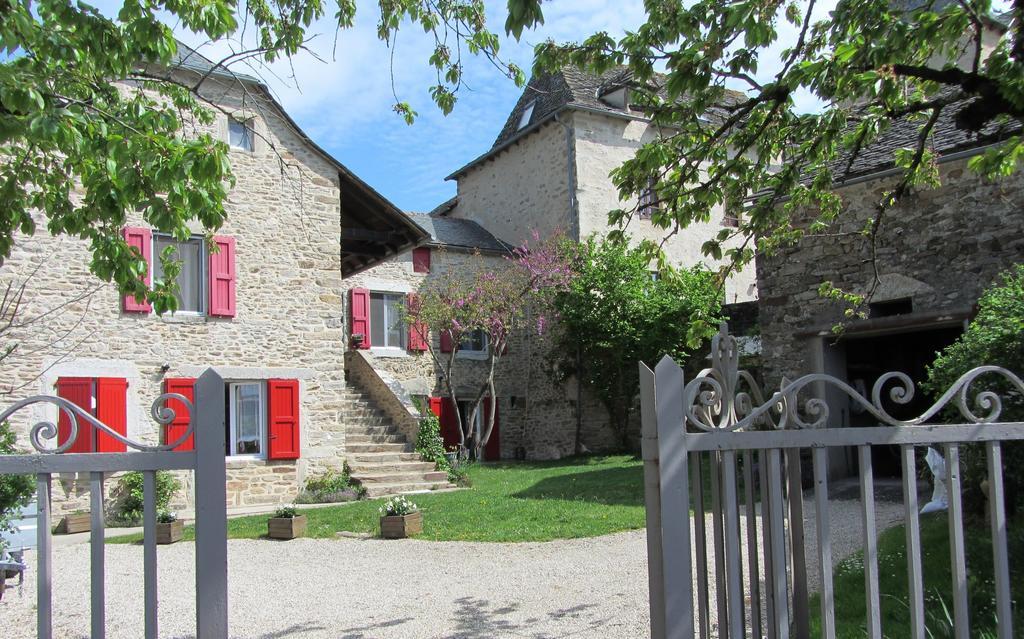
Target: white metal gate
x=718 y=425
x=207 y=460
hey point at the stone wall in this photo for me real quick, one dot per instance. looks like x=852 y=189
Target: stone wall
x=543 y=420
x=941 y=248
x=286 y=221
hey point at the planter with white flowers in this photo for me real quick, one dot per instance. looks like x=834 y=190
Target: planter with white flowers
x=169 y=528
x=286 y=523
x=400 y=518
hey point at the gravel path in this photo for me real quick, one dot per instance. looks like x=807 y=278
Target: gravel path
x=355 y=589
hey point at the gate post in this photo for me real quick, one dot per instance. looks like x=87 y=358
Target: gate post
x=674 y=474
x=211 y=508
x=652 y=501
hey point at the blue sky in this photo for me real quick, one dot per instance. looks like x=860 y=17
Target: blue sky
x=343 y=99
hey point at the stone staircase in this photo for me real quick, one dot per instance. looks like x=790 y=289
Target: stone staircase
x=381 y=458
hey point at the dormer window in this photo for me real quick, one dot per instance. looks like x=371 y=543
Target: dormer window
x=240 y=134
x=524 y=119
x=617 y=98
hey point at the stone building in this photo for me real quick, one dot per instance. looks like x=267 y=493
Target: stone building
x=265 y=310
x=936 y=252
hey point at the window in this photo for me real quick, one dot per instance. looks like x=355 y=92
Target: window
x=191 y=254
x=474 y=342
x=387 y=329
x=247 y=421
x=241 y=134
x=105 y=398
x=649 y=200
x=524 y=119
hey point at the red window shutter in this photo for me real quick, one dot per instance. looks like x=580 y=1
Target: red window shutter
x=359 y=314
x=141 y=239
x=417 y=331
x=222 y=278
x=421 y=259
x=173 y=431
x=435 y=405
x=449 y=424
x=78 y=391
x=492 y=450
x=112 y=410
x=446 y=341
x=283 y=421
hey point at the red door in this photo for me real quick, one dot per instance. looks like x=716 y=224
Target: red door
x=449 y=424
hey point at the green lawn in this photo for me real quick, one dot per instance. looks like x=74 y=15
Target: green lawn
x=849 y=582
x=509 y=502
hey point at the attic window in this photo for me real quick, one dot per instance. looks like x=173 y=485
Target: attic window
x=616 y=98
x=241 y=134
x=524 y=119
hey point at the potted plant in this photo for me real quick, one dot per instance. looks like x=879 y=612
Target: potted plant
x=400 y=518
x=169 y=528
x=357 y=340
x=77 y=522
x=286 y=523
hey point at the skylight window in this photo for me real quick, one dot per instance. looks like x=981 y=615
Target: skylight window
x=527 y=114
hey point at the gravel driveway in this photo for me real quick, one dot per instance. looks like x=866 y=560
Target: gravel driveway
x=354 y=589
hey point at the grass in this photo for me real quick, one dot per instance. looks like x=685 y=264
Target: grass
x=850 y=606
x=509 y=502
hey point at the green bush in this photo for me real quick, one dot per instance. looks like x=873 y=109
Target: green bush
x=332 y=486
x=286 y=512
x=129 y=491
x=430 y=446
x=996 y=336
x=15 y=490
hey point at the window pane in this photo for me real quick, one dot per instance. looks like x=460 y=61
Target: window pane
x=190 y=279
x=475 y=341
x=240 y=134
x=396 y=327
x=378 y=320
x=247 y=412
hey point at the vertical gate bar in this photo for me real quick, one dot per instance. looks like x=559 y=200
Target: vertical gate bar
x=675 y=500
x=732 y=552
x=766 y=546
x=820 y=463
x=956 y=542
x=44 y=549
x=867 y=502
x=149 y=551
x=98 y=583
x=776 y=521
x=700 y=540
x=752 y=563
x=801 y=596
x=913 y=529
x=652 y=501
x=718 y=544
x=211 y=508
x=997 y=519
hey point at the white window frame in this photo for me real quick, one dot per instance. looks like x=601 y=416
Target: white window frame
x=232 y=417
x=249 y=123
x=471 y=353
x=524 y=119
x=204 y=275
x=389 y=350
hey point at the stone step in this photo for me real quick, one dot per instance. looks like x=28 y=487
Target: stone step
x=372 y=430
x=366 y=479
x=374 y=447
x=366 y=422
x=376 y=439
x=383 y=490
x=383 y=458
x=393 y=467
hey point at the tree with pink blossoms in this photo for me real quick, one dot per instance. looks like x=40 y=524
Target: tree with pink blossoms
x=478 y=302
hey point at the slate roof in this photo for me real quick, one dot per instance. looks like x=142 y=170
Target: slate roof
x=946 y=139
x=188 y=58
x=458 y=233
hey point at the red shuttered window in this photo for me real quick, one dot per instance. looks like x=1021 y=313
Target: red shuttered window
x=418 y=334
x=283 y=419
x=359 y=315
x=222 y=278
x=106 y=399
x=142 y=240
x=112 y=410
x=446 y=342
x=184 y=386
x=78 y=391
x=421 y=259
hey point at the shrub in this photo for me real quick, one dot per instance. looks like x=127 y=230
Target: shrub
x=286 y=512
x=129 y=491
x=15 y=490
x=996 y=336
x=398 y=505
x=331 y=487
x=166 y=517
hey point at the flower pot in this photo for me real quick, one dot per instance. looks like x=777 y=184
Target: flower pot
x=170 y=532
x=401 y=526
x=75 y=523
x=286 y=527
